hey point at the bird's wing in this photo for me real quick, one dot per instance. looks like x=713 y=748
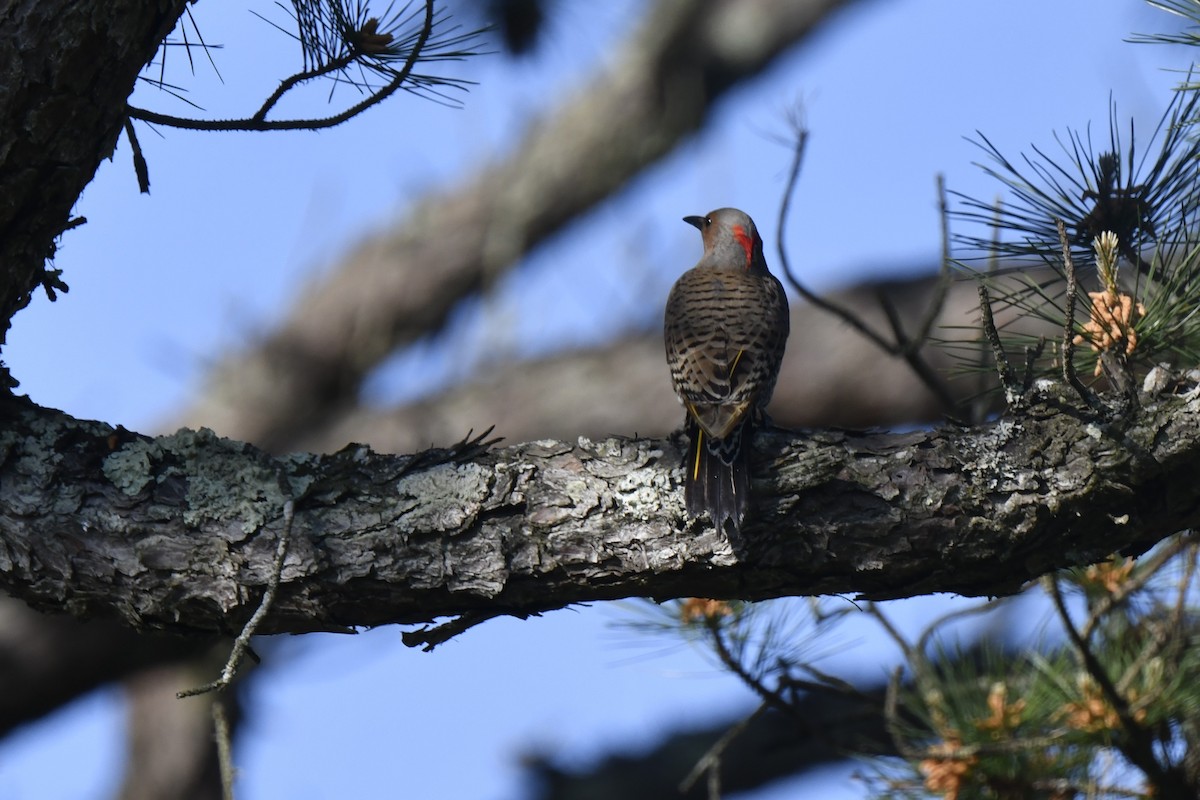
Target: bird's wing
x=723 y=344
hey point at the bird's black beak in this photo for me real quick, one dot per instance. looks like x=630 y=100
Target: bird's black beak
x=698 y=222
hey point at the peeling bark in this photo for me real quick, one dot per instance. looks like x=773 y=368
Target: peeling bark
x=178 y=532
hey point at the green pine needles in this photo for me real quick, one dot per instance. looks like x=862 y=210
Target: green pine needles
x=375 y=51
x=1129 y=213
x=1106 y=711
x=349 y=42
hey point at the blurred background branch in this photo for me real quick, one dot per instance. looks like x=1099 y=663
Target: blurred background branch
x=401 y=284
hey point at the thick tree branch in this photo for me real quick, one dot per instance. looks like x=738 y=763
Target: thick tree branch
x=179 y=532
x=617 y=387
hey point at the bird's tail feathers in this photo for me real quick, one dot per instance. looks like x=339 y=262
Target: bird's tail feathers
x=718 y=476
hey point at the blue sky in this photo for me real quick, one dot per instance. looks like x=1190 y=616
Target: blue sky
x=162 y=285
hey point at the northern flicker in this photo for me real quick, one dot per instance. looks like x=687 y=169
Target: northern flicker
x=725 y=328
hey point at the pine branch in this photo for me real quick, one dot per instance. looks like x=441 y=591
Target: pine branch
x=352 y=39
x=179 y=532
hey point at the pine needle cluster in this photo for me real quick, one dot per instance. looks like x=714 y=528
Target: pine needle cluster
x=1104 y=707
x=348 y=42
x=376 y=51
x=1089 y=688
x=1131 y=203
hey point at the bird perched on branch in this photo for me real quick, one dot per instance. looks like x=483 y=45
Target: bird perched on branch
x=725 y=327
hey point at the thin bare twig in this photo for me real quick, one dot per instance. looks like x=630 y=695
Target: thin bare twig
x=1007 y=380
x=945 y=275
x=906 y=648
x=909 y=350
x=428 y=637
x=904 y=347
x=784 y=206
x=908 y=346
x=289 y=83
x=767 y=695
x=1068 y=345
x=1138 y=746
x=710 y=762
x=139 y=159
x=933 y=627
x=1148 y=568
x=224 y=747
x=242 y=643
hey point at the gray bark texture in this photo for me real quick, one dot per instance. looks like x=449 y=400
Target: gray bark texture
x=179 y=532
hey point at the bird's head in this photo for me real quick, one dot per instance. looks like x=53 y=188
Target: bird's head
x=731 y=240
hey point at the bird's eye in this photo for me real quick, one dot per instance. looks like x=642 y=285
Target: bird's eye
x=708 y=221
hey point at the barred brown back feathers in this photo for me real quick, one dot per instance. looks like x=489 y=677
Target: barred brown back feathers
x=725 y=327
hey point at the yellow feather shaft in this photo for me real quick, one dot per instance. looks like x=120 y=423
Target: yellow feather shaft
x=699 y=444
x=736 y=359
